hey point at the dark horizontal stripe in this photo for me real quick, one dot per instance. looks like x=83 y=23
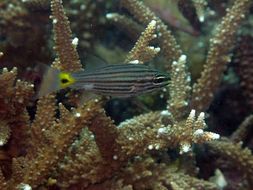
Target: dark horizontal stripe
x=131 y=88
x=128 y=70
x=114 y=85
x=124 y=66
x=114 y=92
x=125 y=84
x=122 y=93
x=114 y=72
x=115 y=75
x=121 y=86
x=114 y=80
x=118 y=68
x=113 y=89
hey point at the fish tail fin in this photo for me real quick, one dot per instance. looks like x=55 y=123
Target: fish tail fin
x=50 y=80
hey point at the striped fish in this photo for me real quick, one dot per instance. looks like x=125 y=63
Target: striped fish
x=119 y=80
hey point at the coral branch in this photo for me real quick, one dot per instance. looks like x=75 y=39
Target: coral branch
x=105 y=136
x=4 y=133
x=83 y=163
x=179 y=89
x=97 y=161
x=37 y=4
x=217 y=58
x=141 y=51
x=44 y=121
x=143 y=14
x=64 y=44
x=200 y=6
x=147 y=132
x=239 y=157
x=187 y=8
x=131 y=27
x=14 y=96
x=37 y=170
x=244 y=60
x=145 y=173
x=243 y=130
x=3 y=184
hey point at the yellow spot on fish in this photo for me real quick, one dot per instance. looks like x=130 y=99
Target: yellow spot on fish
x=66 y=80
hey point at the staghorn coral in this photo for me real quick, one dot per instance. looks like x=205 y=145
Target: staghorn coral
x=218 y=57
x=189 y=11
x=17 y=25
x=141 y=51
x=65 y=46
x=145 y=173
x=14 y=118
x=126 y=24
x=243 y=130
x=240 y=157
x=82 y=148
x=200 y=6
x=179 y=88
x=87 y=17
x=243 y=61
x=37 y=4
x=5 y=133
x=144 y=15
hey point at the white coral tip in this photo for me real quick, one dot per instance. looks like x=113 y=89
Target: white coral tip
x=202 y=116
x=1 y=143
x=198 y=132
x=152 y=23
x=110 y=15
x=24 y=186
x=185 y=148
x=157 y=49
x=77 y=114
x=192 y=113
x=182 y=58
x=215 y=136
x=75 y=41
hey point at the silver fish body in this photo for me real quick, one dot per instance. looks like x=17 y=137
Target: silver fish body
x=120 y=80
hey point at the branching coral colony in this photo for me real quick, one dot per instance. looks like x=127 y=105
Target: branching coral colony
x=82 y=148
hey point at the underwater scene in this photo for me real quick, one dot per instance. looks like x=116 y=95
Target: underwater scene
x=126 y=94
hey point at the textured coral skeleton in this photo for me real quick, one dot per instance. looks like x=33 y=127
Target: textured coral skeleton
x=82 y=148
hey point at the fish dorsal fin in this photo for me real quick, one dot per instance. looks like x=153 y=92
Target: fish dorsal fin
x=92 y=62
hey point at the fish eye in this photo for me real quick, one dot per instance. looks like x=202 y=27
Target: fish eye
x=159 y=79
x=64 y=81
